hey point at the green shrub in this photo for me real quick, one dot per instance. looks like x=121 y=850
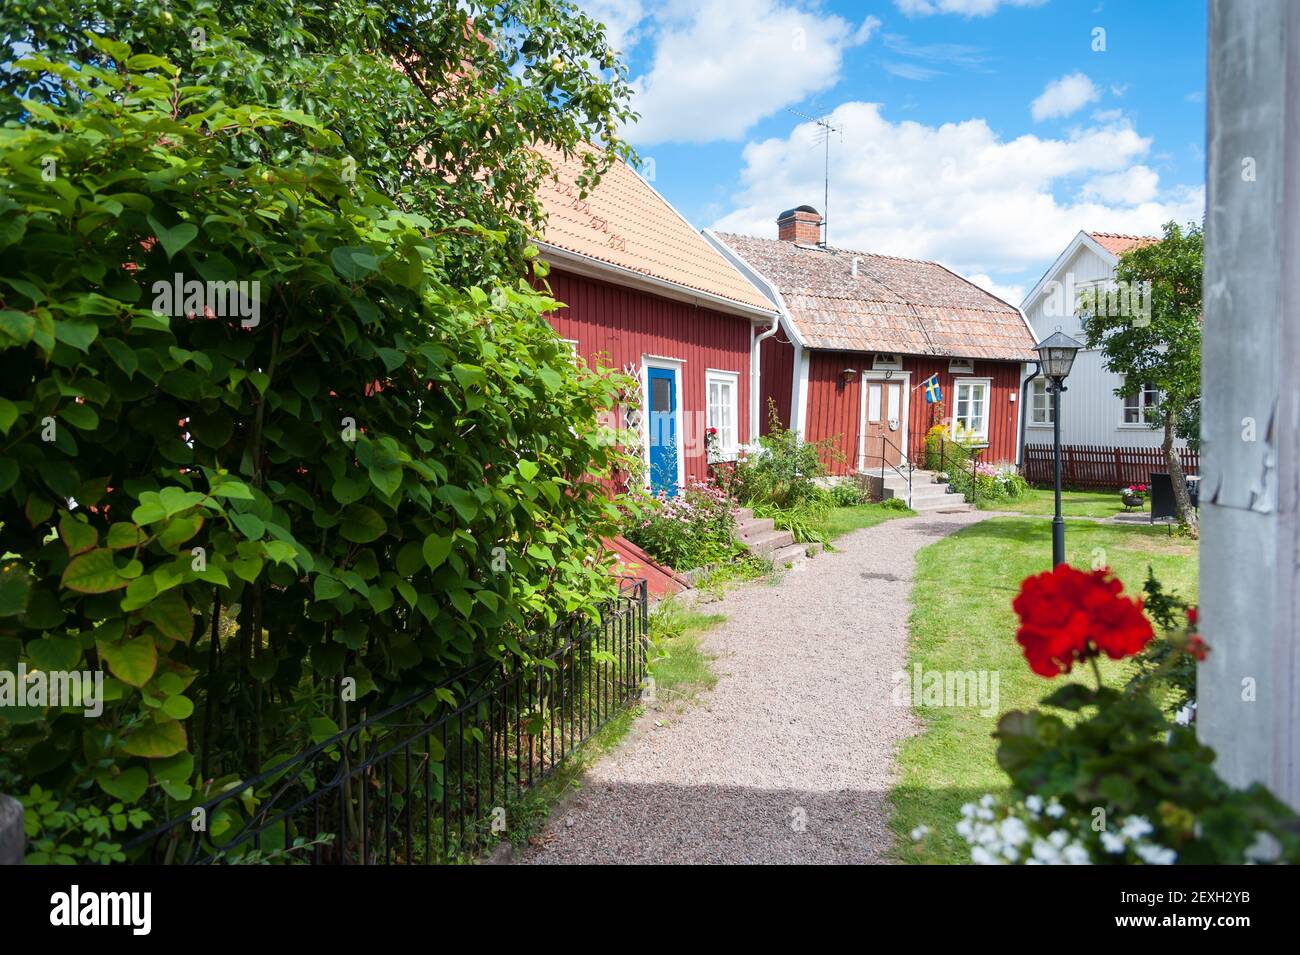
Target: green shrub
x=783 y=472
x=849 y=494
x=1160 y=662
x=805 y=518
x=389 y=471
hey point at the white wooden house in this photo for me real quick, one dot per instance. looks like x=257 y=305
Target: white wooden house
x=1091 y=413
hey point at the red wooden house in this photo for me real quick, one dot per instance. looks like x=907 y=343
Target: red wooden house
x=647 y=293
x=861 y=334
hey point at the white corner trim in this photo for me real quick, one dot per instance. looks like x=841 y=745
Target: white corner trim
x=799 y=390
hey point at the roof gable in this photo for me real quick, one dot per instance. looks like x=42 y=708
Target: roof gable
x=1117 y=243
x=625 y=223
x=890 y=305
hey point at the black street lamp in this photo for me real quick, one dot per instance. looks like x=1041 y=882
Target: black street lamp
x=1056 y=357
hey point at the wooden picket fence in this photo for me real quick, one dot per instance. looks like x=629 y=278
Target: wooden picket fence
x=1094 y=466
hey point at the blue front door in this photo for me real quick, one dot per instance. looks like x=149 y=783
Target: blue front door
x=662 y=383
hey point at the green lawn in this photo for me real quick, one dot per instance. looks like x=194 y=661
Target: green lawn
x=962 y=620
x=842 y=520
x=680 y=667
x=1073 y=503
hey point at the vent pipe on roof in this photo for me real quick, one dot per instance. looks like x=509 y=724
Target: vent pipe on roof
x=856 y=260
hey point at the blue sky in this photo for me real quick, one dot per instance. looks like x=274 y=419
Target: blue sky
x=979 y=133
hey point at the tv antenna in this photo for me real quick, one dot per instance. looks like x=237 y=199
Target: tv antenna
x=824 y=131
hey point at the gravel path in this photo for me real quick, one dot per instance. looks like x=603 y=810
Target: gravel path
x=790 y=758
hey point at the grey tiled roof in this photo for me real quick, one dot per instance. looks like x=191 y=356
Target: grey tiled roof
x=893 y=305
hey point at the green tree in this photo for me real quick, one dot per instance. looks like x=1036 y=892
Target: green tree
x=380 y=452
x=1164 y=348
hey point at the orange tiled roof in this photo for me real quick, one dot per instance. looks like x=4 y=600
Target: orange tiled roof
x=891 y=305
x=1117 y=244
x=625 y=222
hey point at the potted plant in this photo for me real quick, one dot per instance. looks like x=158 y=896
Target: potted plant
x=1133 y=495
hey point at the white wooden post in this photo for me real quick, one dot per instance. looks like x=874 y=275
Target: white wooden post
x=1249 y=688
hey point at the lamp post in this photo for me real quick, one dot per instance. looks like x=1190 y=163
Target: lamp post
x=1056 y=356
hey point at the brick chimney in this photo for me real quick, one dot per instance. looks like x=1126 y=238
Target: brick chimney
x=802 y=224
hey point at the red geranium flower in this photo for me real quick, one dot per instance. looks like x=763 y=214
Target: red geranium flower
x=1068 y=616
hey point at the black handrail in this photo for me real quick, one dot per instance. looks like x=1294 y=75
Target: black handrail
x=902 y=457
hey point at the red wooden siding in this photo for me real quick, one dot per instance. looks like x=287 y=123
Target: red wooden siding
x=616 y=327
x=777 y=357
x=1004 y=414
x=835 y=405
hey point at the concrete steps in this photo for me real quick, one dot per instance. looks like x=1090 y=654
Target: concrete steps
x=928 y=496
x=759 y=535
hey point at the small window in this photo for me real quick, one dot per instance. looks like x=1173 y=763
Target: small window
x=723 y=402
x=661 y=395
x=1139 y=409
x=887 y=362
x=961 y=366
x=1040 y=403
x=971 y=408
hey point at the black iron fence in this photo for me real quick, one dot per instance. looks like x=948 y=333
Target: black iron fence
x=434 y=778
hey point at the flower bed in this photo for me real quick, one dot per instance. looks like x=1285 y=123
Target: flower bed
x=686 y=531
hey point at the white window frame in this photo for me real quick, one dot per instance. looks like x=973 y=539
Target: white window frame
x=726 y=452
x=886 y=361
x=961 y=366
x=1046 y=421
x=1142 y=424
x=987 y=384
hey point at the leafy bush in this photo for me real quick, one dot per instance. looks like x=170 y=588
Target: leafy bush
x=849 y=494
x=383 y=468
x=999 y=482
x=690 y=530
x=783 y=472
x=1161 y=665
x=894 y=504
x=805 y=518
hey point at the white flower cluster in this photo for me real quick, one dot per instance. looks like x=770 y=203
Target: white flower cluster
x=1035 y=832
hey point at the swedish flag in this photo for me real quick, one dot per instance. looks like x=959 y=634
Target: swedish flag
x=933 y=392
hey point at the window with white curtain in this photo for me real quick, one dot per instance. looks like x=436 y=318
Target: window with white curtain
x=971 y=407
x=723 y=410
x=1139 y=408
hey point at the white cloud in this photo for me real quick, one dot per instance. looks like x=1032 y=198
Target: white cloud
x=966 y=8
x=958 y=193
x=1064 y=96
x=1011 y=294
x=719 y=68
x=621 y=19
x=1131 y=187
